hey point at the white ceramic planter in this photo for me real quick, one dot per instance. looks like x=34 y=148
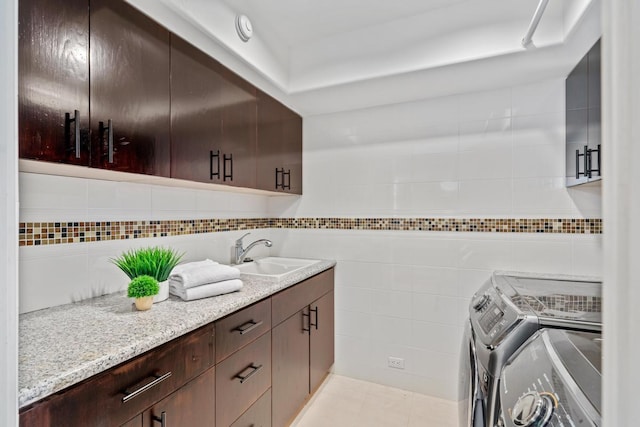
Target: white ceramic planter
x=164 y=292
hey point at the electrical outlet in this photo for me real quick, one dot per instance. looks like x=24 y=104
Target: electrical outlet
x=396 y=362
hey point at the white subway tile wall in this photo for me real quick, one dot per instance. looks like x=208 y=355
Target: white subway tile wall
x=404 y=293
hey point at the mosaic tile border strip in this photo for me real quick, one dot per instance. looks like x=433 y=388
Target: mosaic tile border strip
x=53 y=233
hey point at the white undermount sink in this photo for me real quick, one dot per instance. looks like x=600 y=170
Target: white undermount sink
x=274 y=268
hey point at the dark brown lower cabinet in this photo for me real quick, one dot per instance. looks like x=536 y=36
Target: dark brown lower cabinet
x=242 y=378
x=259 y=377
x=303 y=344
x=192 y=405
x=322 y=349
x=258 y=415
x=290 y=376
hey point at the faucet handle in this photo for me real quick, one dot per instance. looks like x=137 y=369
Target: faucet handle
x=239 y=241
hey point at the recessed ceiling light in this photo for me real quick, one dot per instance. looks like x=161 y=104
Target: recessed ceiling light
x=244 y=27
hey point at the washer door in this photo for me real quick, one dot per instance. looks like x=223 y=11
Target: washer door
x=470 y=406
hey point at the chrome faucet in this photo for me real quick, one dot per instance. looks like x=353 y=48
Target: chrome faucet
x=241 y=252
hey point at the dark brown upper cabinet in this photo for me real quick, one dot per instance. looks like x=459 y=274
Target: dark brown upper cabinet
x=213 y=120
x=101 y=57
x=279 y=164
x=130 y=95
x=583 y=119
x=53 y=81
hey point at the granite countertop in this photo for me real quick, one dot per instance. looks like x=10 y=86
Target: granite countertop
x=61 y=346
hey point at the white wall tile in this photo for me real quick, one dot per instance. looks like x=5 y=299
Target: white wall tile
x=485 y=105
x=485 y=164
x=539 y=129
x=391 y=303
x=486 y=197
x=541 y=97
x=490 y=134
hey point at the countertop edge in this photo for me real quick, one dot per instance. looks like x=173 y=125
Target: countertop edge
x=49 y=385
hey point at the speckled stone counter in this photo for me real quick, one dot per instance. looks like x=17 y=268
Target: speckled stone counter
x=64 y=345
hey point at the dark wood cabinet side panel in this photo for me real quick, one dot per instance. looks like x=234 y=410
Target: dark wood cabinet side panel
x=322 y=347
x=130 y=66
x=233 y=396
x=191 y=405
x=290 y=300
x=290 y=381
x=270 y=134
x=594 y=58
x=53 y=79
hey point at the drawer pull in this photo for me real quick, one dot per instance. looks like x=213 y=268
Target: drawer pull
x=244 y=378
x=248 y=327
x=128 y=395
x=162 y=419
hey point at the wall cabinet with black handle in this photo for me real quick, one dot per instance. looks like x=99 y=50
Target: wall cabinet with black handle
x=279 y=158
x=93 y=86
x=583 y=120
x=213 y=120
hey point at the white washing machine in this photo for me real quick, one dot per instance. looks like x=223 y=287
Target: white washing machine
x=504 y=313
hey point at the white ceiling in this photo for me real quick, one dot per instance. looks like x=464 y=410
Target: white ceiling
x=326 y=55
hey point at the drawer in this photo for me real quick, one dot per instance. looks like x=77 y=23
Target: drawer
x=293 y=299
x=239 y=329
x=241 y=379
x=110 y=398
x=258 y=415
x=191 y=405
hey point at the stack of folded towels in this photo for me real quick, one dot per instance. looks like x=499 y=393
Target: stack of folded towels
x=203 y=279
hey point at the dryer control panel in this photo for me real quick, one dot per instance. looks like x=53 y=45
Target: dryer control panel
x=490 y=315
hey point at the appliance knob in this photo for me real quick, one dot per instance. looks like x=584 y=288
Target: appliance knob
x=480 y=302
x=532 y=409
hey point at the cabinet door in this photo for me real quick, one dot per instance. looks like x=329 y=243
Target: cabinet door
x=213 y=120
x=595 y=116
x=53 y=81
x=321 y=354
x=279 y=148
x=290 y=369
x=129 y=89
x=191 y=405
x=239 y=119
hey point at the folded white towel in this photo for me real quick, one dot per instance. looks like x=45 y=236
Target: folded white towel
x=199 y=273
x=205 y=291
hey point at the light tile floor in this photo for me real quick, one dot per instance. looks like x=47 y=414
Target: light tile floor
x=347 y=402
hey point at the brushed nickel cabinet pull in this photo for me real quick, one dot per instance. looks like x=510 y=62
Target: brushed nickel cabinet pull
x=248 y=327
x=128 y=395
x=244 y=378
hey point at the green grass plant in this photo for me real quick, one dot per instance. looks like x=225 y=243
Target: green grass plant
x=156 y=262
x=143 y=286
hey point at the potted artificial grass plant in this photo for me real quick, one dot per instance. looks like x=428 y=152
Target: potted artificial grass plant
x=143 y=288
x=156 y=262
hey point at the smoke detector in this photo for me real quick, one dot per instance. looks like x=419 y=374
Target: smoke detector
x=244 y=27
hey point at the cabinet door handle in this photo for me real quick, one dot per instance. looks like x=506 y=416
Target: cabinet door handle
x=226 y=175
x=248 y=327
x=76 y=130
x=287 y=174
x=279 y=173
x=108 y=128
x=304 y=327
x=585 y=157
x=245 y=378
x=128 y=395
x=162 y=419
x=591 y=168
x=213 y=155
x=314 y=310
